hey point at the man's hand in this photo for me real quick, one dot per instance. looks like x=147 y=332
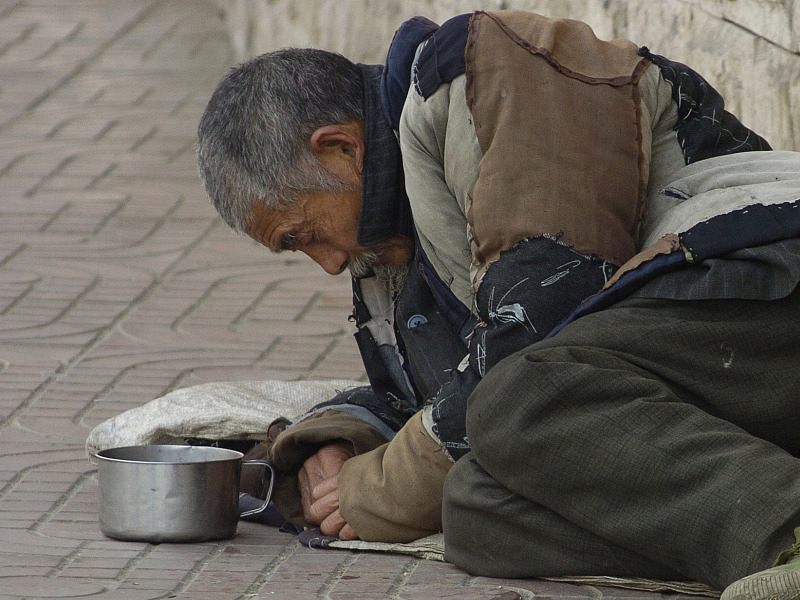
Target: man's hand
x=318 y=480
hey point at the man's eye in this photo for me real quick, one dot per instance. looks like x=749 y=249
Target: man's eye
x=288 y=241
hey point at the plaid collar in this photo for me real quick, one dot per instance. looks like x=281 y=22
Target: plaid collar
x=384 y=205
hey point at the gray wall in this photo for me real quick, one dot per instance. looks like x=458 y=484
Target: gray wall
x=748 y=49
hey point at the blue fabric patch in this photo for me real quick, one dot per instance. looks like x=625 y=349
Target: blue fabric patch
x=427 y=337
x=754 y=225
x=391 y=412
x=527 y=292
x=705 y=129
x=314 y=538
x=442 y=59
x=749 y=227
x=397 y=72
x=458 y=315
x=268 y=516
x=449 y=412
x=627 y=284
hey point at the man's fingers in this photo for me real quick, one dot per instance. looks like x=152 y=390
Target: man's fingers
x=304 y=485
x=323 y=508
x=324 y=488
x=318 y=480
x=348 y=533
x=333 y=524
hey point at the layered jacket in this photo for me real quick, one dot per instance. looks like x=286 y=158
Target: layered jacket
x=549 y=174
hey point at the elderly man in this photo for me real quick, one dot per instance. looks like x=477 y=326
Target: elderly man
x=574 y=281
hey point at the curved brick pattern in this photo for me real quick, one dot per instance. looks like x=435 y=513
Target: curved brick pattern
x=118 y=284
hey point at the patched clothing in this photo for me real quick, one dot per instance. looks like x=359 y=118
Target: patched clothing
x=549 y=175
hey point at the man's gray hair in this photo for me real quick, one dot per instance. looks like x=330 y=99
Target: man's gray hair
x=253 y=141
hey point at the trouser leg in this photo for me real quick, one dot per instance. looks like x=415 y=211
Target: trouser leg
x=490 y=530
x=661 y=427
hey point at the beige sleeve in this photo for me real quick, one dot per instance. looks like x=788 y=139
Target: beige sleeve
x=297 y=443
x=394 y=493
x=663 y=154
x=440 y=159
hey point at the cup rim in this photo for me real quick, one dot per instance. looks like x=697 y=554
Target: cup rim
x=147 y=454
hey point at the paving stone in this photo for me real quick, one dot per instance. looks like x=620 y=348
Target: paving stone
x=50 y=587
x=448 y=593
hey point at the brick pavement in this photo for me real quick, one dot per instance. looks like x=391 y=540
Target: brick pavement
x=119 y=284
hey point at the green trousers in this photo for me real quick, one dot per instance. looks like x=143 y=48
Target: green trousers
x=656 y=438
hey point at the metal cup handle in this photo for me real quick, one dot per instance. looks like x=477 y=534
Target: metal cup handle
x=263 y=507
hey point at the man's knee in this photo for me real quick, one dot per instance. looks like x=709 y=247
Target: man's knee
x=500 y=387
x=523 y=385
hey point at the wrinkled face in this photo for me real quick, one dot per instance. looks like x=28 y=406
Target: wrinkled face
x=324 y=226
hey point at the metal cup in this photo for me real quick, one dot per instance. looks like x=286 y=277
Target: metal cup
x=171 y=493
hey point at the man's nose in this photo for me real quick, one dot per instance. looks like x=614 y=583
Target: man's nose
x=333 y=261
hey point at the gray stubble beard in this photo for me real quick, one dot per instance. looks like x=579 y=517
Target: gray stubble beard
x=393 y=276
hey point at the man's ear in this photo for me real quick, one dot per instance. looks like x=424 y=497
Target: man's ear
x=340 y=143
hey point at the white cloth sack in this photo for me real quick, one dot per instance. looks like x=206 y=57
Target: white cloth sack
x=240 y=410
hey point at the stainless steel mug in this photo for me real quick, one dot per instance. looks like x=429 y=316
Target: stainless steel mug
x=170 y=493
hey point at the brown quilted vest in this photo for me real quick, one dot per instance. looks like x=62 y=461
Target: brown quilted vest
x=556 y=112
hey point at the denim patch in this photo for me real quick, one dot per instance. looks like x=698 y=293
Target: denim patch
x=442 y=58
x=449 y=412
x=430 y=344
x=705 y=129
x=396 y=75
x=529 y=290
x=392 y=411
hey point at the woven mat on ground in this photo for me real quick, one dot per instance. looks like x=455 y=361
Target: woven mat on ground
x=243 y=410
x=432 y=548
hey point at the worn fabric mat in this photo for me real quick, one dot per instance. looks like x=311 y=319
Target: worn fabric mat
x=243 y=410
x=432 y=548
